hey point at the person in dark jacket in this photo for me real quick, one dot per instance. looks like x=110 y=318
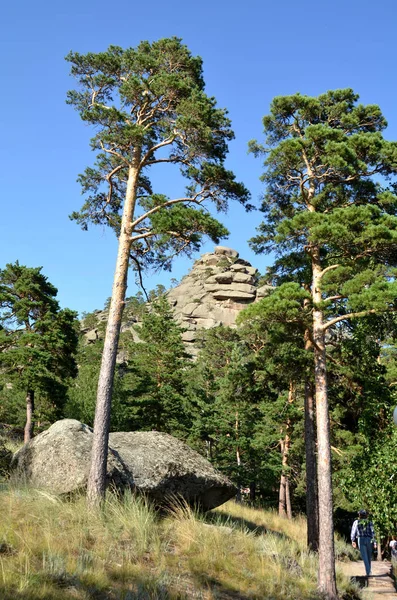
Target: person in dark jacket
x=363 y=530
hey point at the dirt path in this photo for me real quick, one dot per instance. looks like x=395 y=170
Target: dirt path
x=379 y=586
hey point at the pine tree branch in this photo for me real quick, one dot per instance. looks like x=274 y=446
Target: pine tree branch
x=168 y=203
x=139 y=269
x=332 y=298
x=114 y=153
x=352 y=315
x=324 y=271
x=109 y=180
x=153 y=149
x=162 y=160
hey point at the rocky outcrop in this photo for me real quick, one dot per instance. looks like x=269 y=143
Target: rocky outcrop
x=150 y=462
x=218 y=287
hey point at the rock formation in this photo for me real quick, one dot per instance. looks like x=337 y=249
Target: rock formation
x=163 y=466
x=149 y=462
x=218 y=287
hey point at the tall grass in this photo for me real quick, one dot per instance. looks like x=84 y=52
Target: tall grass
x=53 y=549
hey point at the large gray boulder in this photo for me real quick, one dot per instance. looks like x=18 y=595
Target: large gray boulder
x=153 y=463
x=58 y=459
x=164 y=467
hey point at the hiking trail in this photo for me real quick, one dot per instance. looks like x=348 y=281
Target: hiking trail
x=379 y=586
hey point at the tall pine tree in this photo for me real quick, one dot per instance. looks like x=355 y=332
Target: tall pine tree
x=331 y=217
x=148 y=108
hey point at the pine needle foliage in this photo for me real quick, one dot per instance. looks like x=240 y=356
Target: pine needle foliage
x=38 y=340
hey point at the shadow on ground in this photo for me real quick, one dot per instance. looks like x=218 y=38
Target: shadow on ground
x=228 y=520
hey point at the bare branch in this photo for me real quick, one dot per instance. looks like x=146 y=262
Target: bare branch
x=153 y=149
x=333 y=298
x=109 y=180
x=352 y=315
x=114 y=153
x=139 y=268
x=155 y=209
x=324 y=271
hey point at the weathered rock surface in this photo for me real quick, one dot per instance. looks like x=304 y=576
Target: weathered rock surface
x=218 y=287
x=59 y=459
x=149 y=462
x=164 y=466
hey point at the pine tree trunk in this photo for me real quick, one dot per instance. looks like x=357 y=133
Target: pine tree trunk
x=311 y=470
x=28 y=431
x=379 y=548
x=97 y=477
x=284 y=503
x=326 y=576
x=238 y=460
x=252 y=492
x=284 y=495
x=282 y=510
x=288 y=498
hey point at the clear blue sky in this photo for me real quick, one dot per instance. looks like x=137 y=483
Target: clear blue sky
x=252 y=51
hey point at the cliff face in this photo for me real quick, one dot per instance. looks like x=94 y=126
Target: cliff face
x=218 y=287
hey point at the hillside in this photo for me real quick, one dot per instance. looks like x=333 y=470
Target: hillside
x=52 y=549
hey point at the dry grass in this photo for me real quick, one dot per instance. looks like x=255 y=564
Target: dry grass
x=52 y=549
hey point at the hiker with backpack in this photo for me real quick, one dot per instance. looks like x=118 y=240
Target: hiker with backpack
x=363 y=531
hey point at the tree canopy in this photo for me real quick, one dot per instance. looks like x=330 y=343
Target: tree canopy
x=37 y=339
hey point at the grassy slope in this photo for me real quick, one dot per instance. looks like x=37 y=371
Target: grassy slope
x=51 y=549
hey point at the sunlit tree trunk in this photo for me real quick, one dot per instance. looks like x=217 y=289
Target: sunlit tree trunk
x=379 y=547
x=288 y=499
x=97 y=476
x=327 y=577
x=282 y=509
x=284 y=504
x=28 y=431
x=238 y=460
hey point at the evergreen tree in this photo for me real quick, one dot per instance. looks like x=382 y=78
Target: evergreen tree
x=370 y=482
x=156 y=368
x=273 y=328
x=331 y=218
x=229 y=406
x=81 y=393
x=149 y=107
x=37 y=339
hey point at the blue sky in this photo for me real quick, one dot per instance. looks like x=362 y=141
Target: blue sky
x=252 y=51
